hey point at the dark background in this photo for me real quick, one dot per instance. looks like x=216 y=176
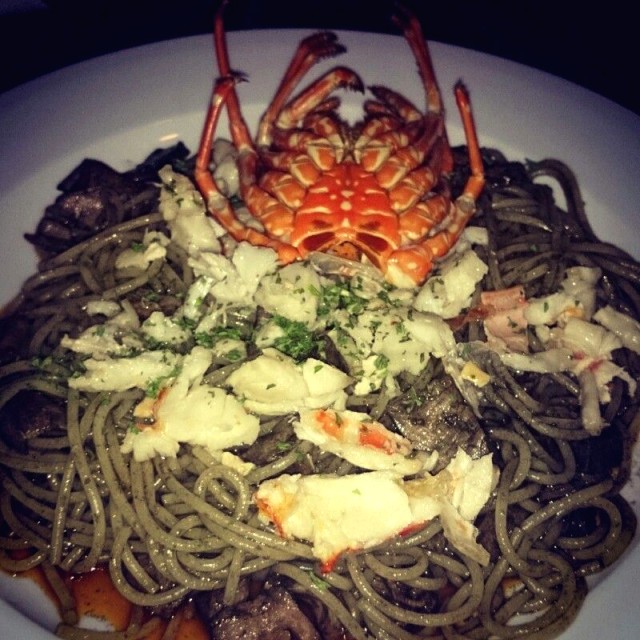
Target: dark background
x=594 y=45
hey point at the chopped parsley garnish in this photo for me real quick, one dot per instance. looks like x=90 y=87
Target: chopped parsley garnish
x=152 y=344
x=171 y=186
x=413 y=400
x=339 y=296
x=185 y=323
x=385 y=297
x=41 y=362
x=298 y=340
x=209 y=338
x=381 y=361
x=152 y=296
x=154 y=387
x=134 y=429
x=204 y=339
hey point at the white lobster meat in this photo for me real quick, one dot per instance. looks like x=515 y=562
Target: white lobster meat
x=359 y=511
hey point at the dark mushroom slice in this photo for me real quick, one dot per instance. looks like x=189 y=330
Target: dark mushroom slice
x=30 y=414
x=14 y=337
x=271 y=615
x=437 y=419
x=95 y=196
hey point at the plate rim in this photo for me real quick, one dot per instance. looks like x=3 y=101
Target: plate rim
x=601 y=103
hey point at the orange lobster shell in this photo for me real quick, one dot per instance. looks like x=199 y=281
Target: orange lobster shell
x=375 y=191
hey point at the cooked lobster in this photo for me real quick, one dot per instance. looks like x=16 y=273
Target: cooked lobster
x=375 y=191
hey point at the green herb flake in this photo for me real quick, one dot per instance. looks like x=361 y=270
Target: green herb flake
x=153 y=344
x=413 y=399
x=298 y=340
x=133 y=428
x=340 y=295
x=381 y=362
x=41 y=362
x=317 y=581
x=171 y=186
x=185 y=323
x=234 y=355
x=154 y=387
x=204 y=339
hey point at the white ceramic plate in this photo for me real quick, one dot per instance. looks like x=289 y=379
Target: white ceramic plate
x=119 y=107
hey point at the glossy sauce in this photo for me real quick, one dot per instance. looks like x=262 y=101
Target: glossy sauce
x=96 y=597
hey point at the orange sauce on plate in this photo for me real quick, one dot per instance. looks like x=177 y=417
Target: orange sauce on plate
x=96 y=597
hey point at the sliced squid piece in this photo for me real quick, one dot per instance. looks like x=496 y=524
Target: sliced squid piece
x=362 y=441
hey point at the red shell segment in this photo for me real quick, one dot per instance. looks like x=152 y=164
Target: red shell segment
x=346 y=205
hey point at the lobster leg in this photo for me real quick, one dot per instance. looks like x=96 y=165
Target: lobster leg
x=217 y=204
x=239 y=129
x=403 y=108
x=475 y=183
x=417 y=221
x=320 y=145
x=272 y=212
x=410 y=157
x=414 y=36
x=406 y=194
x=411 y=265
x=401 y=150
x=316 y=93
x=310 y=51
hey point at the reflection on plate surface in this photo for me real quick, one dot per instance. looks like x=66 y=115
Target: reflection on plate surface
x=119 y=107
